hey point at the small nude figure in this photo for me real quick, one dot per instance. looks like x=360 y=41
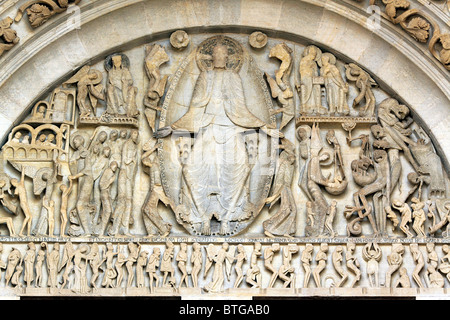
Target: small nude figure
x=321 y=259
x=306 y=259
x=210 y=252
x=444 y=265
x=121 y=259
x=372 y=254
x=166 y=265
x=432 y=256
x=309 y=214
x=153 y=263
x=420 y=263
x=286 y=271
x=133 y=255
x=433 y=278
x=269 y=253
x=21 y=192
x=140 y=264
x=50 y=206
x=406 y=216
x=240 y=259
x=197 y=261
x=254 y=276
x=403 y=281
x=182 y=261
x=14 y=258
x=95 y=261
x=331 y=213
x=52 y=265
x=395 y=260
x=419 y=216
x=80 y=268
x=40 y=258
x=352 y=263
x=110 y=272
x=337 y=264
x=66 y=190
x=29 y=259
x=67 y=261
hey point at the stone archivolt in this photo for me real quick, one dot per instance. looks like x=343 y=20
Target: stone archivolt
x=238 y=142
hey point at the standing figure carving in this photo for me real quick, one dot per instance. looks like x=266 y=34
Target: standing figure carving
x=122 y=217
x=283 y=223
x=152 y=219
x=336 y=87
x=310 y=83
x=121 y=94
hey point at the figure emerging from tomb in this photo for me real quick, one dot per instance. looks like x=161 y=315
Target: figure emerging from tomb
x=90 y=90
x=218 y=170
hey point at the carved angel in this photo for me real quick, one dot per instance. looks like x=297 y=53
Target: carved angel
x=155 y=57
x=89 y=86
x=280 y=86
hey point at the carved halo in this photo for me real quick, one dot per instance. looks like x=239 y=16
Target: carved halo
x=205 y=49
x=83 y=134
x=109 y=63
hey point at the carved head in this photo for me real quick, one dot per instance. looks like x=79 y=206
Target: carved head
x=220 y=56
x=107 y=152
x=123 y=134
x=113 y=165
x=102 y=136
x=113 y=135
x=351 y=246
x=134 y=136
x=379 y=155
x=117 y=61
x=63 y=187
x=14 y=182
x=78 y=141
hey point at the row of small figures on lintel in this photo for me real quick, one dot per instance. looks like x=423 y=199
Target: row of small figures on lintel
x=144 y=269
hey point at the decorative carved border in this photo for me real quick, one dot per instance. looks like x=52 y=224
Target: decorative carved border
x=38 y=12
x=418 y=25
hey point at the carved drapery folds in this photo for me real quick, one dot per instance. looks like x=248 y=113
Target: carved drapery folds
x=255 y=144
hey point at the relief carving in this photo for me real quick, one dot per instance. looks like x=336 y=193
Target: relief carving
x=208 y=186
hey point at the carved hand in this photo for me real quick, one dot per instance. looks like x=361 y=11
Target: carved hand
x=274 y=133
x=163 y=132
